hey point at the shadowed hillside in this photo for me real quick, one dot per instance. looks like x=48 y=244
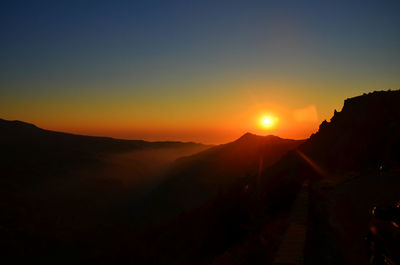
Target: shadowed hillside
x=224 y=207
x=244 y=223
x=363 y=136
x=27 y=150
x=57 y=188
x=193 y=180
x=358 y=160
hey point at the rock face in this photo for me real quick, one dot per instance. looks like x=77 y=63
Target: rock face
x=363 y=136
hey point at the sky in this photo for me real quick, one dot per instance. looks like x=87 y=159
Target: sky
x=203 y=71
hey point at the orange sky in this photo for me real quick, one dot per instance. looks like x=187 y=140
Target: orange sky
x=218 y=112
x=220 y=119
x=203 y=71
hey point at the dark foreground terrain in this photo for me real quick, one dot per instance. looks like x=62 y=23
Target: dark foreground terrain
x=68 y=199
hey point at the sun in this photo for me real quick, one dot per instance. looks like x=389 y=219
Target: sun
x=268 y=122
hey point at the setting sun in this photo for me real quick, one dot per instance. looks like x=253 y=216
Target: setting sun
x=268 y=122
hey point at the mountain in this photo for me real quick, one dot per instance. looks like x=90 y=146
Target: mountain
x=193 y=180
x=220 y=203
x=37 y=162
x=73 y=188
x=351 y=163
x=58 y=187
x=33 y=154
x=363 y=136
x=356 y=160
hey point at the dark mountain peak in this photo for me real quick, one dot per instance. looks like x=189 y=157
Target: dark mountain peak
x=23 y=133
x=250 y=137
x=17 y=124
x=378 y=107
x=364 y=134
x=371 y=97
x=248 y=134
x=201 y=176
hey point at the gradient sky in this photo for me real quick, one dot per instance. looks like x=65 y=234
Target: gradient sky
x=192 y=70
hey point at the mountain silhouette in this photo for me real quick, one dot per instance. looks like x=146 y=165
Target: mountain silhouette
x=193 y=180
x=363 y=136
x=27 y=150
x=226 y=204
x=340 y=161
x=22 y=133
x=58 y=187
x=225 y=199
x=355 y=158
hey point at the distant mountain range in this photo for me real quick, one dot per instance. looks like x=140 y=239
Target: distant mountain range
x=27 y=150
x=56 y=187
x=18 y=133
x=66 y=196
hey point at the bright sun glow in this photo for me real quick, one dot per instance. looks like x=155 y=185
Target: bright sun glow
x=268 y=122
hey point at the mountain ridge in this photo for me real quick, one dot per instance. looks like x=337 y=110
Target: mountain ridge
x=195 y=179
x=364 y=133
x=16 y=125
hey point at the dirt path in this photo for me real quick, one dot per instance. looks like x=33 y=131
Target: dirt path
x=291 y=250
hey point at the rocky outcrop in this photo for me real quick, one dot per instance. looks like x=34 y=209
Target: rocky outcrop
x=364 y=135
